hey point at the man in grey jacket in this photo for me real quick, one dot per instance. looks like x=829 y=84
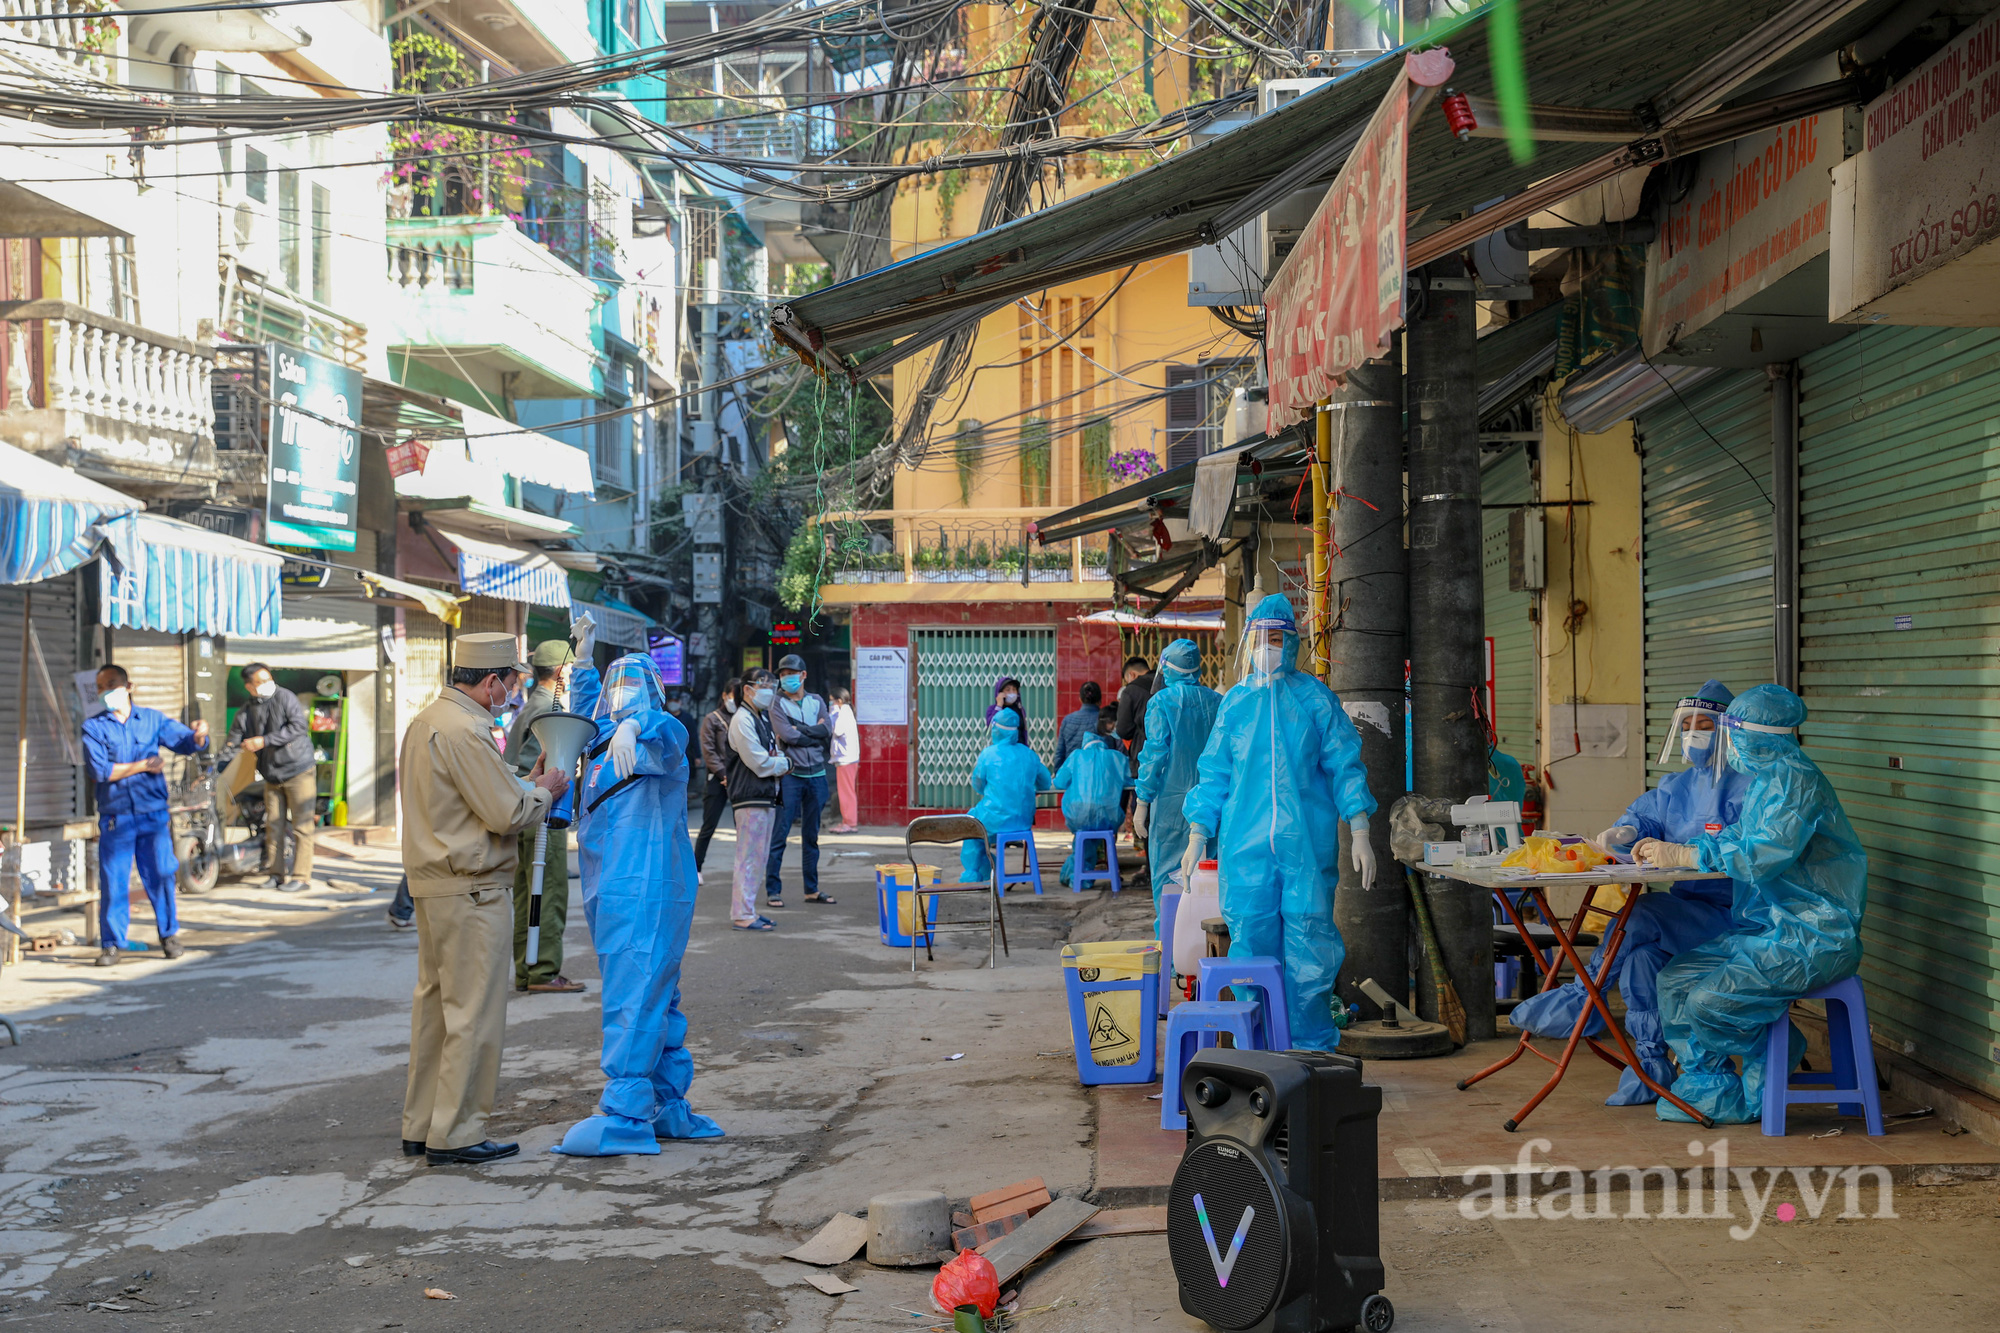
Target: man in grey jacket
x=273 y=727
x=804 y=729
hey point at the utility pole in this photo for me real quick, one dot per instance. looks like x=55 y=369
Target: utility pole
x=1368 y=618
x=1448 y=612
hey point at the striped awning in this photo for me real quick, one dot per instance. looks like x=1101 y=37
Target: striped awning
x=513 y=573
x=49 y=516
x=159 y=573
x=617 y=624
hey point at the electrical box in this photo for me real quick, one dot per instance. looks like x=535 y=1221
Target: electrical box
x=1234 y=271
x=1527 y=550
x=708 y=578
x=702 y=512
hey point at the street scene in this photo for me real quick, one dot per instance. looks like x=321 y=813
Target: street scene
x=1260 y=665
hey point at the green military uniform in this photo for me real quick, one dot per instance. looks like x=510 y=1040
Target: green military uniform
x=522 y=752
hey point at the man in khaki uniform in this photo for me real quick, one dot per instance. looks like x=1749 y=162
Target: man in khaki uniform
x=463 y=808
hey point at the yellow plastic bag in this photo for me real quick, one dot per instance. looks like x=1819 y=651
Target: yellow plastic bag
x=1547 y=856
x=1112 y=1017
x=906 y=897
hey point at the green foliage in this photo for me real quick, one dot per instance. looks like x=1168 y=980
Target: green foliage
x=429 y=157
x=965 y=453
x=1096 y=456
x=1034 y=462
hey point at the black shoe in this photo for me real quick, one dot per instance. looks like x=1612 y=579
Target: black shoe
x=172 y=947
x=479 y=1154
x=107 y=957
x=413 y=1147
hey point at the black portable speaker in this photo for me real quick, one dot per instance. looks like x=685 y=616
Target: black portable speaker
x=1271 y=1220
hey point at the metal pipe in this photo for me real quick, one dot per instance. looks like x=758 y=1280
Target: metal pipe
x=1367 y=646
x=1448 y=612
x=1784 y=523
x=1316 y=615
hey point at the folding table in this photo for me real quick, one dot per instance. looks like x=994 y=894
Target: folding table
x=1534 y=887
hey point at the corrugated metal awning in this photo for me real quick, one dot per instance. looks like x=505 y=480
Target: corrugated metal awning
x=49 y=516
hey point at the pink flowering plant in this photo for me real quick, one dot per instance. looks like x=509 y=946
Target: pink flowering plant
x=1129 y=465
x=450 y=169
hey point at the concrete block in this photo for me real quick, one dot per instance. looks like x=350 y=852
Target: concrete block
x=908 y=1228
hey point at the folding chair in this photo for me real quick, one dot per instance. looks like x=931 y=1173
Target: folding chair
x=952 y=829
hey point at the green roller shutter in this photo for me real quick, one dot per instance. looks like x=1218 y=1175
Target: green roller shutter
x=1900 y=661
x=1505 y=480
x=1707 y=547
x=955 y=674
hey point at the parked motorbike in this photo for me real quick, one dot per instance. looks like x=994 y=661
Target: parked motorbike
x=199 y=842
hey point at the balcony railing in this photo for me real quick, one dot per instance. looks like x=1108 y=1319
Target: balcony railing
x=262 y=313
x=959 y=552
x=66 y=358
x=86 y=42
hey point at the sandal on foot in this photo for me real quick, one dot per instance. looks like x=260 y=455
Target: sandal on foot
x=821 y=898
x=761 y=923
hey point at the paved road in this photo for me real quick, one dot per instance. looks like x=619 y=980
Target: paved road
x=212 y=1142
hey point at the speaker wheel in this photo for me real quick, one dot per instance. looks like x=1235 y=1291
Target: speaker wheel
x=1377 y=1315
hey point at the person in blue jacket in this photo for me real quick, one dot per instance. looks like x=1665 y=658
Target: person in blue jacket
x=1005 y=778
x=122 y=746
x=1093 y=781
x=638 y=895
x=1179 y=716
x=1280 y=776
x=1802 y=887
x=1704 y=797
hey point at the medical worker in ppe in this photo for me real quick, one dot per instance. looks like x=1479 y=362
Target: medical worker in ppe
x=1005 y=779
x=1801 y=887
x=1179 y=716
x=1280 y=774
x=1701 y=798
x=638 y=895
x=1093 y=781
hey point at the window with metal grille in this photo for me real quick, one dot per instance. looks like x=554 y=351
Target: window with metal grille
x=955 y=673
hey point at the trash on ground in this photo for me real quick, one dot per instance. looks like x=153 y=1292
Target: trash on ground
x=830 y=1284
x=1827 y=1135
x=1014 y=1252
x=1028 y=1196
x=959 y=1056
x=438 y=1294
x=835 y=1243
x=979 y=1235
x=969 y=1279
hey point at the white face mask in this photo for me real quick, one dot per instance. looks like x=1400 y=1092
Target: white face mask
x=728 y=705
x=762 y=698
x=1009 y=697
x=1266 y=658
x=1697 y=744
x=118 y=700
x=266 y=689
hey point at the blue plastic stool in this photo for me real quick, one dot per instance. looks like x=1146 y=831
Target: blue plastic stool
x=1258 y=972
x=1088 y=838
x=1192 y=1027
x=1853 y=1063
x=1169 y=908
x=1031 y=873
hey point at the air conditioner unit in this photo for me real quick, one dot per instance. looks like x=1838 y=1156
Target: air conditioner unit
x=1234 y=271
x=250 y=233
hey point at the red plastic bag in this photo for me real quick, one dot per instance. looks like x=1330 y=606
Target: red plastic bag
x=967 y=1280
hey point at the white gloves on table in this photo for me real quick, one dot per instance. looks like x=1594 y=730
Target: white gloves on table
x=1670 y=855
x=1197 y=843
x=1364 y=850
x=1139 y=814
x=1618 y=835
x=625 y=748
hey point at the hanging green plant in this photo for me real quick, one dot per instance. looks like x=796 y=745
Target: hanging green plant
x=1034 y=462
x=971 y=441
x=1096 y=457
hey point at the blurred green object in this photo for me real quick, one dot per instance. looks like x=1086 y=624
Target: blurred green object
x=966 y=1319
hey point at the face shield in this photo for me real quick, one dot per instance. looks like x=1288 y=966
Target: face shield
x=632 y=687
x=1736 y=741
x=1268 y=648
x=1701 y=747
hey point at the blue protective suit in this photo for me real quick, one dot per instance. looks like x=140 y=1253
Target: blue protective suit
x=1802 y=886
x=1179 y=717
x=1686 y=804
x=1279 y=776
x=638 y=895
x=1092 y=781
x=1005 y=778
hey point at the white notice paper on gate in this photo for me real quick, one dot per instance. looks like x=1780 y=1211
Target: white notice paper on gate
x=1601 y=728
x=882 y=687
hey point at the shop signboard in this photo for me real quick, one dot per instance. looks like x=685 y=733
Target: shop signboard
x=668 y=655
x=315 y=477
x=1916 y=213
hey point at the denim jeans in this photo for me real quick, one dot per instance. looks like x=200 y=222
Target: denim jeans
x=801 y=799
x=405 y=907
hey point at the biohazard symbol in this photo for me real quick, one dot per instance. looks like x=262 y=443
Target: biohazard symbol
x=1106 y=1037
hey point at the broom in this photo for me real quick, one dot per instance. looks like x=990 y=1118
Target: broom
x=1449 y=1009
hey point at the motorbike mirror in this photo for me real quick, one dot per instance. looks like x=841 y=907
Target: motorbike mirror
x=563 y=737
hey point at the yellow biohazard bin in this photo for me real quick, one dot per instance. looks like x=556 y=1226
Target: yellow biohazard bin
x=1114 y=1002
x=895 y=903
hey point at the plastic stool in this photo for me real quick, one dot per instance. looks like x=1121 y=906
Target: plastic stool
x=1031 y=873
x=1853 y=1063
x=1169 y=909
x=1192 y=1027
x=1258 y=972
x=1085 y=840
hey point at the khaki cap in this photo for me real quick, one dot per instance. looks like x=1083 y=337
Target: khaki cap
x=552 y=653
x=495 y=652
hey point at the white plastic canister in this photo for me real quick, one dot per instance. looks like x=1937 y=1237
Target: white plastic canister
x=1199 y=902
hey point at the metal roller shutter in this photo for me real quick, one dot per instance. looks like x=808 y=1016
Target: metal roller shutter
x=55 y=778
x=157 y=664
x=955 y=674
x=1707 y=544
x=425 y=654
x=1506 y=480
x=1900 y=634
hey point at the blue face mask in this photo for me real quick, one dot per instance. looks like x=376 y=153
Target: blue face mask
x=791 y=682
